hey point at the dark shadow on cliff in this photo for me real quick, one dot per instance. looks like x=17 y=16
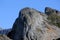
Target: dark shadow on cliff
x=18 y=29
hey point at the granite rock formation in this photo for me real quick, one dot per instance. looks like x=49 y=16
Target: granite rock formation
x=53 y=16
x=4 y=37
x=50 y=11
x=33 y=25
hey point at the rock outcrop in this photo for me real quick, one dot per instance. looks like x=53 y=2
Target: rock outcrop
x=4 y=37
x=33 y=25
x=53 y=16
x=50 y=11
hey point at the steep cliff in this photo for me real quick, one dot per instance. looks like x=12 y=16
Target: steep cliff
x=34 y=25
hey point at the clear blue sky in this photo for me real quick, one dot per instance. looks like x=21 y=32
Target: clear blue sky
x=9 y=9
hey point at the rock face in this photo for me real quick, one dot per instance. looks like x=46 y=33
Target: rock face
x=53 y=16
x=4 y=37
x=50 y=11
x=33 y=25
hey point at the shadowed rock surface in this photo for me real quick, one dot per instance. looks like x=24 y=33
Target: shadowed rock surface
x=33 y=25
x=50 y=11
x=3 y=34
x=4 y=37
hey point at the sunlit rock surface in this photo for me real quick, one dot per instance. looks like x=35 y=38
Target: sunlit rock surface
x=33 y=25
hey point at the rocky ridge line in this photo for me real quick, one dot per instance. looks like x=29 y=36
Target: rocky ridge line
x=33 y=25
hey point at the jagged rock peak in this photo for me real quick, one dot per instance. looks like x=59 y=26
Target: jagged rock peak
x=24 y=24
x=32 y=25
x=49 y=10
x=53 y=16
